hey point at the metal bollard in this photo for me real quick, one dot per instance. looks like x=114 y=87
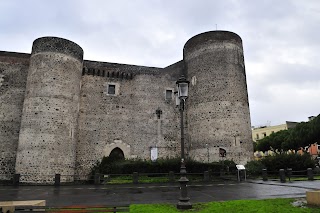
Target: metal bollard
x=16 y=179
x=57 y=178
x=206 y=176
x=222 y=173
x=317 y=170
x=210 y=174
x=289 y=173
x=282 y=176
x=264 y=175
x=135 y=177
x=171 y=176
x=97 y=178
x=310 y=174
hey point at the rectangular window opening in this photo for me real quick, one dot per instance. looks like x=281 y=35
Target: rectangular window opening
x=111 y=89
x=168 y=94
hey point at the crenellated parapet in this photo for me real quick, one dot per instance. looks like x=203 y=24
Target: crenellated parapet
x=107 y=73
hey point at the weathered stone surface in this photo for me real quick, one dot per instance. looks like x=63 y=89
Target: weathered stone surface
x=74 y=112
x=57 y=45
x=48 y=131
x=13 y=76
x=127 y=120
x=313 y=198
x=218 y=108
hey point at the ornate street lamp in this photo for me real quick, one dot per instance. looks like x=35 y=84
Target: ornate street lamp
x=181 y=96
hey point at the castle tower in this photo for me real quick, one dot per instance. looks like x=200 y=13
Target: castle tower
x=218 y=109
x=48 y=131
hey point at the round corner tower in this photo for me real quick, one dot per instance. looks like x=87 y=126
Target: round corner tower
x=218 y=108
x=48 y=130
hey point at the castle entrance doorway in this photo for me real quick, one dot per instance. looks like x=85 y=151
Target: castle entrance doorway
x=116 y=154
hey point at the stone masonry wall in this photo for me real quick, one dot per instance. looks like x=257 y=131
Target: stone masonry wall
x=218 y=107
x=48 y=134
x=13 y=77
x=128 y=119
x=69 y=113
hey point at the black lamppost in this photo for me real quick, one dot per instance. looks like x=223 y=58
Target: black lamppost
x=181 y=96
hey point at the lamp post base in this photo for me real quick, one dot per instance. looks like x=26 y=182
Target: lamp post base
x=184 y=205
x=183 y=202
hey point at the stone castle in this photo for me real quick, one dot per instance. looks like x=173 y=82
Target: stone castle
x=60 y=114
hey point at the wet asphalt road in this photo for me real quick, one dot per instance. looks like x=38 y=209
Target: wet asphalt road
x=155 y=193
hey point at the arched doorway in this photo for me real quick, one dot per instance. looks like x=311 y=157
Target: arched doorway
x=116 y=154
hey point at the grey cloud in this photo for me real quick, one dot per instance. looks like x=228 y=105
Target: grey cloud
x=153 y=32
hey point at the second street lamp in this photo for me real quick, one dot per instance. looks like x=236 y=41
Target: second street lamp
x=182 y=94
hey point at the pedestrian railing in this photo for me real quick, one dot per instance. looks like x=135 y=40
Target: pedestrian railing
x=135 y=177
x=288 y=174
x=171 y=177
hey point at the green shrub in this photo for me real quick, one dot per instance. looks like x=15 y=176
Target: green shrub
x=111 y=166
x=254 y=168
x=281 y=161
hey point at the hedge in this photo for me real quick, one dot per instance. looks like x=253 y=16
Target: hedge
x=281 y=161
x=117 y=166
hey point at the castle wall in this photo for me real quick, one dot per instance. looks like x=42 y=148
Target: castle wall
x=13 y=77
x=128 y=119
x=70 y=113
x=48 y=133
x=218 y=108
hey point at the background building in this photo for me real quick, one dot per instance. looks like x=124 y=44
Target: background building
x=264 y=131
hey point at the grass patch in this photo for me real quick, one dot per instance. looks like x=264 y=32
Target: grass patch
x=282 y=205
x=142 y=179
x=147 y=179
x=304 y=178
x=119 y=180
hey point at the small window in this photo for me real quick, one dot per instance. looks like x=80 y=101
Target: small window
x=257 y=136
x=264 y=134
x=111 y=89
x=168 y=94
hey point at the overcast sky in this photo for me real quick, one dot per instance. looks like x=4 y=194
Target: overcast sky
x=281 y=40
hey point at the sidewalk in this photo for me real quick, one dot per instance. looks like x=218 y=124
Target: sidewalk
x=312 y=185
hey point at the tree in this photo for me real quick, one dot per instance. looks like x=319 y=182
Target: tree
x=276 y=139
x=254 y=146
x=263 y=144
x=304 y=134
